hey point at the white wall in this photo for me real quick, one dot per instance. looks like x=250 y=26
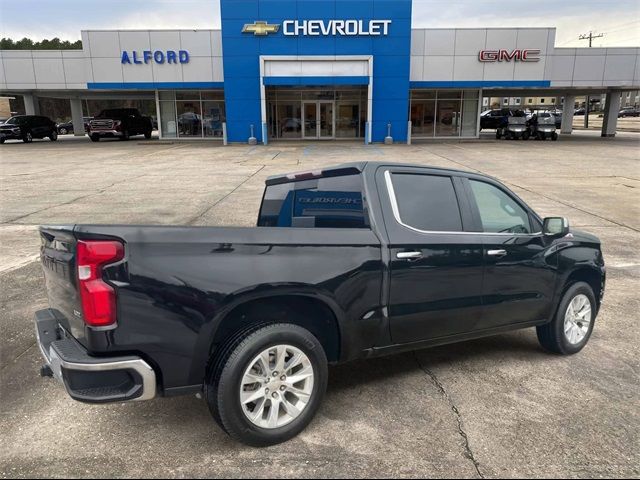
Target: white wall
x=594 y=67
x=100 y=60
x=452 y=55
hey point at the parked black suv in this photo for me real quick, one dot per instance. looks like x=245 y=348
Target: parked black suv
x=495 y=118
x=121 y=123
x=28 y=127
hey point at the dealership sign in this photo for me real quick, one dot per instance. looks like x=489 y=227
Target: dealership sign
x=157 y=56
x=314 y=28
x=528 y=55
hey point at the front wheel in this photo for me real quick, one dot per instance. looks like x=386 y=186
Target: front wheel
x=147 y=134
x=268 y=385
x=554 y=136
x=54 y=136
x=125 y=135
x=571 y=328
x=95 y=137
x=28 y=137
x=63 y=131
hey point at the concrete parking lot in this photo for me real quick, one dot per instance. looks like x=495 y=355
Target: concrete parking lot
x=494 y=407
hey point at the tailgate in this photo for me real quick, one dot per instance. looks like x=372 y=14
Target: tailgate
x=59 y=264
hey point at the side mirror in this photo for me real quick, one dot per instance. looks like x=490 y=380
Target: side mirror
x=555 y=226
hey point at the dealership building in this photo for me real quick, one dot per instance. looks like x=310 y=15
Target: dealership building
x=320 y=70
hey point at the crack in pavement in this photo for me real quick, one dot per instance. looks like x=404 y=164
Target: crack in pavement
x=468 y=452
x=208 y=209
x=81 y=197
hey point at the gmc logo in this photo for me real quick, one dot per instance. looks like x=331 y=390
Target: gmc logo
x=529 y=55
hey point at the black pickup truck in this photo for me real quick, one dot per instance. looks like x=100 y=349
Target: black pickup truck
x=354 y=261
x=120 y=123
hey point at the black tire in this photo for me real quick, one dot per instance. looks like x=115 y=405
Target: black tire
x=54 y=136
x=1 y=141
x=554 y=136
x=148 y=134
x=552 y=336
x=525 y=135
x=125 y=135
x=27 y=138
x=95 y=137
x=62 y=131
x=223 y=383
x=498 y=135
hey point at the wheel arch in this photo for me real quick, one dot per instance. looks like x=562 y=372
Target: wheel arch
x=313 y=311
x=591 y=275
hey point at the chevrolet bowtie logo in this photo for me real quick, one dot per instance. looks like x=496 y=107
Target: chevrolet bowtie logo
x=260 y=28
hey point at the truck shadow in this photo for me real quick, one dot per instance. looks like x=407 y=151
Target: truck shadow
x=489 y=351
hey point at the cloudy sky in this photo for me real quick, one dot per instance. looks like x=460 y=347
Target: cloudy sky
x=619 y=20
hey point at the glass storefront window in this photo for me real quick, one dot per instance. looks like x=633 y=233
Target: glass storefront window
x=469 y=116
x=192 y=113
x=448 y=118
x=188 y=95
x=444 y=113
x=347 y=119
x=189 y=119
x=212 y=115
x=423 y=114
x=289 y=120
x=168 y=125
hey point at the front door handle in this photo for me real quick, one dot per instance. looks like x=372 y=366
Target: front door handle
x=408 y=255
x=496 y=253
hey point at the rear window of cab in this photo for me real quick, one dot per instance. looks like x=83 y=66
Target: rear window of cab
x=332 y=202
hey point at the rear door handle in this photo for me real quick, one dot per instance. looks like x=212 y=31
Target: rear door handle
x=496 y=253
x=408 y=255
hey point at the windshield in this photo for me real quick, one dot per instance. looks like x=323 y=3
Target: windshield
x=117 y=112
x=16 y=121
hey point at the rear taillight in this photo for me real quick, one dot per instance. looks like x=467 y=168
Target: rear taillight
x=98 y=298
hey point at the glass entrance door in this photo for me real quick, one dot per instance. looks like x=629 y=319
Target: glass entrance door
x=319 y=119
x=325 y=120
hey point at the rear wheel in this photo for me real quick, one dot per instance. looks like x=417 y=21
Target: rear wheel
x=1 y=141
x=147 y=134
x=571 y=328
x=28 y=137
x=62 y=131
x=268 y=385
x=95 y=137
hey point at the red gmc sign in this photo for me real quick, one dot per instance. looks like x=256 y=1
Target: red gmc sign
x=528 y=55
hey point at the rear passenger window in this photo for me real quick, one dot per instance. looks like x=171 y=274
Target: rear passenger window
x=427 y=202
x=332 y=202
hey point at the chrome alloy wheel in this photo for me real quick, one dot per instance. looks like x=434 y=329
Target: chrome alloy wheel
x=277 y=386
x=577 y=319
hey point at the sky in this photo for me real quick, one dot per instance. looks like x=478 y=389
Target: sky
x=619 y=20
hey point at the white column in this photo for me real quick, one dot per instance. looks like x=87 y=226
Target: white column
x=76 y=117
x=567 y=114
x=31 y=106
x=611 y=110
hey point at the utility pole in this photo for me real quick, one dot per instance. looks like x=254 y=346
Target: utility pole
x=587 y=102
x=590 y=37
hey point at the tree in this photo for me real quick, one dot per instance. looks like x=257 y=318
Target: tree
x=28 y=44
